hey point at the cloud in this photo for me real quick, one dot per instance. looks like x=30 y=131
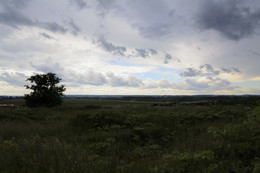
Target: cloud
x=207 y=70
x=109 y=47
x=14 y=18
x=75 y=29
x=230 y=70
x=19 y=4
x=81 y=4
x=51 y=26
x=88 y=77
x=204 y=84
x=167 y=58
x=231 y=18
x=153 y=52
x=51 y=67
x=143 y=52
x=164 y=83
x=129 y=81
x=142 y=17
x=14 y=78
x=190 y=72
x=46 y=35
x=155 y=30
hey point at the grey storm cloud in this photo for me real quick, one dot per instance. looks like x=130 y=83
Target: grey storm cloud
x=232 y=18
x=154 y=30
x=75 y=29
x=51 y=26
x=109 y=47
x=167 y=58
x=19 y=4
x=46 y=35
x=144 y=52
x=207 y=69
x=12 y=17
x=190 y=72
x=230 y=70
x=153 y=20
x=81 y=4
x=153 y=52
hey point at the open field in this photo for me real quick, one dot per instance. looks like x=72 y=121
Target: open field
x=132 y=134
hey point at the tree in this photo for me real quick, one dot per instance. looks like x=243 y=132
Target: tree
x=45 y=92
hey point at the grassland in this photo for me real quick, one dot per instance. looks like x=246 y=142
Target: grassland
x=212 y=135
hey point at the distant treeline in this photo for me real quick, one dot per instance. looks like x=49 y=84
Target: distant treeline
x=223 y=100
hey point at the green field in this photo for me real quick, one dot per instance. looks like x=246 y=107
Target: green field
x=133 y=135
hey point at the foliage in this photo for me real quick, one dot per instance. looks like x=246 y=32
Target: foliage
x=45 y=92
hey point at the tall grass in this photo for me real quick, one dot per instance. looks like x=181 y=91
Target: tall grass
x=113 y=136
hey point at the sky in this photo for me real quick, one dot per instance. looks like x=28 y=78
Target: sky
x=132 y=47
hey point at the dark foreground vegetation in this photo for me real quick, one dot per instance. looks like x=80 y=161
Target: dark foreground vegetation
x=142 y=134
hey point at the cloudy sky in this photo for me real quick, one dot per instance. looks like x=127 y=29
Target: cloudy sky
x=146 y=47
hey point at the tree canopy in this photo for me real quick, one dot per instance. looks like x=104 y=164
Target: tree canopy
x=45 y=90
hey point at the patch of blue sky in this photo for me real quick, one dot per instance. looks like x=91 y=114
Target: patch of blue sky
x=247 y=84
x=171 y=75
x=159 y=73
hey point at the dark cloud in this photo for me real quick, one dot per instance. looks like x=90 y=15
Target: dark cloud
x=153 y=52
x=14 y=78
x=75 y=29
x=167 y=58
x=232 y=18
x=142 y=52
x=109 y=47
x=230 y=70
x=80 y=3
x=14 y=18
x=46 y=35
x=19 y=4
x=139 y=52
x=207 y=70
x=190 y=72
x=154 y=31
x=51 y=26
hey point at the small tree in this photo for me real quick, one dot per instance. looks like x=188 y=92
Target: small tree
x=45 y=92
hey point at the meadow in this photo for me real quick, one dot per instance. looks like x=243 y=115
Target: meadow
x=133 y=134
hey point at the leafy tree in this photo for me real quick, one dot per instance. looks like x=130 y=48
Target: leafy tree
x=45 y=92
